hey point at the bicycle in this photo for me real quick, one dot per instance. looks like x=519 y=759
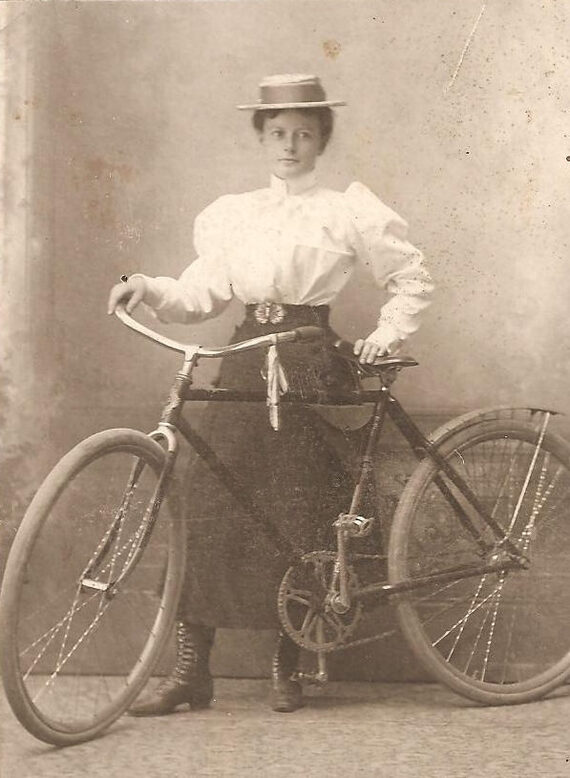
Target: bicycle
x=475 y=556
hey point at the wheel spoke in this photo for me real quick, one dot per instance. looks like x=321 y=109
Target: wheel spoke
x=466 y=617
x=47 y=637
x=64 y=658
x=497 y=600
x=529 y=473
x=463 y=620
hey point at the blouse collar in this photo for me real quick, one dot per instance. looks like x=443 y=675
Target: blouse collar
x=294 y=186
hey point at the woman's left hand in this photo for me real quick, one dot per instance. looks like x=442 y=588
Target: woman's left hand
x=369 y=350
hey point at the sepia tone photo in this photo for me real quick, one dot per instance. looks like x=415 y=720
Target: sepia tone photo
x=284 y=462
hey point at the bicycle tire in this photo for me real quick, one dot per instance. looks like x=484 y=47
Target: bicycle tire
x=73 y=656
x=498 y=638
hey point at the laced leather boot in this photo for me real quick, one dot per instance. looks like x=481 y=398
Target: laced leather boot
x=190 y=681
x=287 y=694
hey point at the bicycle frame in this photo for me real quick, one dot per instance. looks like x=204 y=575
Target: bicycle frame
x=502 y=555
x=351 y=524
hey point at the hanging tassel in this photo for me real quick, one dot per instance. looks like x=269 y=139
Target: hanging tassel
x=276 y=385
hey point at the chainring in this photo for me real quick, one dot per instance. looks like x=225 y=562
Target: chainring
x=304 y=608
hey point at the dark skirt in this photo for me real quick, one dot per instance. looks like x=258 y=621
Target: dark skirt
x=292 y=483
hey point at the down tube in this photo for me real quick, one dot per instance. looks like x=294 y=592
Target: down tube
x=239 y=491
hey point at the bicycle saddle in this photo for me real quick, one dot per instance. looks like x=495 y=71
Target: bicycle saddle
x=346 y=351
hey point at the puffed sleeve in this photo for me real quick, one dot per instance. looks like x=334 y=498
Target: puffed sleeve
x=379 y=239
x=204 y=288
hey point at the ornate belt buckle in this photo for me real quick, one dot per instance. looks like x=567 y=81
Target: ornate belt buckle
x=272 y=313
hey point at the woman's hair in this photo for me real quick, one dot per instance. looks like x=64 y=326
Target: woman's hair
x=324 y=115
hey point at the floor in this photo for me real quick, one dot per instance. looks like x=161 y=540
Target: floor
x=347 y=729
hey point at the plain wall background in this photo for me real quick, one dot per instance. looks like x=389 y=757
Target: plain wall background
x=121 y=127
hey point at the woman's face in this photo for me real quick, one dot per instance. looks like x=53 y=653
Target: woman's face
x=292 y=141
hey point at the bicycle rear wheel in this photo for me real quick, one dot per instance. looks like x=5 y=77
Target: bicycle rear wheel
x=501 y=637
x=78 y=640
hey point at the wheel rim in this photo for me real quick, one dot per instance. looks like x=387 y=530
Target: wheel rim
x=79 y=654
x=504 y=632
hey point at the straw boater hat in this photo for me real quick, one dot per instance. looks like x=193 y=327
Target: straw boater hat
x=290 y=90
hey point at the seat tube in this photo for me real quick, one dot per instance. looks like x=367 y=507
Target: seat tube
x=367 y=458
x=341 y=603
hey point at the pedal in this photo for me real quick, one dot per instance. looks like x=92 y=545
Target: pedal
x=354 y=526
x=88 y=584
x=314 y=679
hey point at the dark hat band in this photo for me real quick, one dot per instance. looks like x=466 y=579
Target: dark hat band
x=291 y=93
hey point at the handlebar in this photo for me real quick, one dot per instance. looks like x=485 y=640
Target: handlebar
x=191 y=350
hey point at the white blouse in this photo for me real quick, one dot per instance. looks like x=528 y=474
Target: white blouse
x=298 y=243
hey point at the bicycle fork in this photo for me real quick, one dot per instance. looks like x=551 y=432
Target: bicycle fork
x=165 y=431
x=88 y=580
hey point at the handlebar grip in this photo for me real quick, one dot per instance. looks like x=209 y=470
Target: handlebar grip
x=308 y=333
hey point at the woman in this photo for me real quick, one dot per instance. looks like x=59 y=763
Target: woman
x=285 y=251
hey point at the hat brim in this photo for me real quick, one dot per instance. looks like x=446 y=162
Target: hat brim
x=285 y=106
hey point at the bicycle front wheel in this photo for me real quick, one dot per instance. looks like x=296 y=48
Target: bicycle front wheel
x=500 y=637
x=89 y=596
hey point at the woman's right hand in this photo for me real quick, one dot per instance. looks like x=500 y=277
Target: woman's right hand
x=130 y=293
